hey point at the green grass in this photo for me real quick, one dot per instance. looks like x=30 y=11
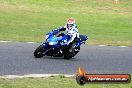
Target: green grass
x=102 y=20
x=53 y=82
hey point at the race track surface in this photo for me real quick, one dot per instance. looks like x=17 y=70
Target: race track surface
x=17 y=59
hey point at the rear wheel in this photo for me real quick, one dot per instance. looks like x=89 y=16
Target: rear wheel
x=77 y=49
x=38 y=53
x=69 y=53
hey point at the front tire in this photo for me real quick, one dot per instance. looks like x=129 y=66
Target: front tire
x=38 y=53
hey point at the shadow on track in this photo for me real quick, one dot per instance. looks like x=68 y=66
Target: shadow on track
x=59 y=58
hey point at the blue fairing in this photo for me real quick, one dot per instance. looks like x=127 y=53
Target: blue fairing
x=53 y=40
x=83 y=38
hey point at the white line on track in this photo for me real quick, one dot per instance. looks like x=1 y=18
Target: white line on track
x=34 y=76
x=123 y=46
x=35 y=42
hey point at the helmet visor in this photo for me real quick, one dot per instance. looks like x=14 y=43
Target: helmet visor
x=69 y=26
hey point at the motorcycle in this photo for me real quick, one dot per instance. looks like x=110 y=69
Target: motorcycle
x=55 y=45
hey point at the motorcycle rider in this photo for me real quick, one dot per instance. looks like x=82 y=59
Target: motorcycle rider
x=71 y=30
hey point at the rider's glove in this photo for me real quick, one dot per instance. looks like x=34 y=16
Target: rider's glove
x=67 y=43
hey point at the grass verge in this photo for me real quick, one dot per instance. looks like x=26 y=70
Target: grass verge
x=53 y=82
x=103 y=21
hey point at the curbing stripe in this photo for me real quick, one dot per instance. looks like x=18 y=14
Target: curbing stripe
x=123 y=46
x=5 y=41
x=101 y=45
x=30 y=42
x=34 y=76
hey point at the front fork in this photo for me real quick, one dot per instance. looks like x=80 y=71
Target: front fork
x=45 y=48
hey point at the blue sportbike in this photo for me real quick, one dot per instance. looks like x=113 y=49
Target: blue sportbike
x=55 y=45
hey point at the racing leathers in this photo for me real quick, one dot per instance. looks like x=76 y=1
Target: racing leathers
x=73 y=33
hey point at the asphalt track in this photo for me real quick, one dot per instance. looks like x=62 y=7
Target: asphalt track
x=17 y=58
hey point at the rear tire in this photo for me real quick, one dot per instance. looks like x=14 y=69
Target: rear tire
x=77 y=48
x=38 y=53
x=67 y=56
x=69 y=53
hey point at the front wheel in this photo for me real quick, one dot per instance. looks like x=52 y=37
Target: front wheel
x=38 y=53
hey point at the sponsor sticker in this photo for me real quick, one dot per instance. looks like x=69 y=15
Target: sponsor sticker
x=82 y=78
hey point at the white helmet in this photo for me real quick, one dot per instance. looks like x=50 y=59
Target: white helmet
x=70 y=23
